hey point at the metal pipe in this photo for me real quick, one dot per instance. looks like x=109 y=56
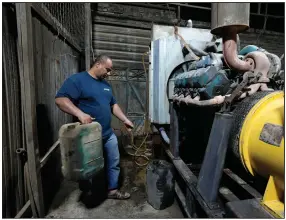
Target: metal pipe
x=185 y=44
x=189 y=101
x=230 y=51
x=229 y=19
x=193 y=51
x=264 y=87
x=259 y=8
x=253 y=89
x=267 y=15
x=174 y=130
x=179 y=12
x=198 y=51
x=164 y=135
x=262 y=64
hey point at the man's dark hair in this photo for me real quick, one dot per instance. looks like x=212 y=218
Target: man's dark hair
x=101 y=59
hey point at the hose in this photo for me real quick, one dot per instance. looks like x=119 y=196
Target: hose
x=136 y=149
x=146 y=126
x=195 y=52
x=164 y=135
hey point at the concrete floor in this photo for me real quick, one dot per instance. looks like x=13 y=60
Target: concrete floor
x=67 y=205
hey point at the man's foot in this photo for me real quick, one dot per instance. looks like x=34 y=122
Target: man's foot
x=116 y=194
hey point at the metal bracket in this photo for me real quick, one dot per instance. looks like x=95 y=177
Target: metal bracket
x=22 y=153
x=212 y=166
x=248 y=78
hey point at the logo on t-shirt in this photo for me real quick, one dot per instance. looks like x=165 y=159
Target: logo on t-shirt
x=106 y=89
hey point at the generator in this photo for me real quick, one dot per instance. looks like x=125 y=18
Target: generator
x=220 y=111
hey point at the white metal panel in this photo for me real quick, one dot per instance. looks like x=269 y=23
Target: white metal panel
x=161 y=31
x=166 y=54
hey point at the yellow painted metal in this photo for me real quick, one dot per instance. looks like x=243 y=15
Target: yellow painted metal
x=273 y=199
x=263 y=158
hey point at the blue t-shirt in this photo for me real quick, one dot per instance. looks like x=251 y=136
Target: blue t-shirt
x=92 y=96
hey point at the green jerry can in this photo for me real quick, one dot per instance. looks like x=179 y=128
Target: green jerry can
x=81 y=150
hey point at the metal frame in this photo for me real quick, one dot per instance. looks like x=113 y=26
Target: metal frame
x=214 y=209
x=44 y=13
x=209 y=9
x=88 y=31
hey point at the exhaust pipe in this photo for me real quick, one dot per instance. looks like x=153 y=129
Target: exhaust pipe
x=229 y=19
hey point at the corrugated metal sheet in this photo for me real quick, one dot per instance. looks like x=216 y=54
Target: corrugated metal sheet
x=125 y=46
x=54 y=61
x=13 y=188
x=123 y=31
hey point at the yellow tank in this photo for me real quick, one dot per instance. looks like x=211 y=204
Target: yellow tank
x=260 y=144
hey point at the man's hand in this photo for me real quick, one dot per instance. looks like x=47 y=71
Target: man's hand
x=120 y=115
x=129 y=125
x=84 y=118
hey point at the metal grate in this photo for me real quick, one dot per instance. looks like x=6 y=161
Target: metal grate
x=71 y=16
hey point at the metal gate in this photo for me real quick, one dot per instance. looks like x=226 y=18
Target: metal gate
x=123 y=32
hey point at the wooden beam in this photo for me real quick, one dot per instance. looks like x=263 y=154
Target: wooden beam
x=23 y=213
x=49 y=153
x=45 y=14
x=26 y=65
x=191 y=6
x=88 y=32
x=148 y=19
x=30 y=191
x=150 y=5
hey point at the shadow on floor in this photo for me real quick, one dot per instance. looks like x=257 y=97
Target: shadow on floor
x=94 y=191
x=95 y=205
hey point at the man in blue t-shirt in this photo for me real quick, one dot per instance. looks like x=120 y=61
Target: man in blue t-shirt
x=87 y=95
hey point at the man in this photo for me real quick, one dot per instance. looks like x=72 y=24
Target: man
x=87 y=95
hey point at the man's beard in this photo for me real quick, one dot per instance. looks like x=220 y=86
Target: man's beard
x=103 y=77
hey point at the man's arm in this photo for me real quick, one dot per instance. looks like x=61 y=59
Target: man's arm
x=70 y=91
x=116 y=110
x=67 y=106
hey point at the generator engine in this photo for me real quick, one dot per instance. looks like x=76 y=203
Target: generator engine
x=247 y=84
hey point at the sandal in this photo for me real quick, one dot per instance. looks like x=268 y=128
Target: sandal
x=119 y=195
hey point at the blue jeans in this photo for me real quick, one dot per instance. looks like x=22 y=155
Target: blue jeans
x=111 y=151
